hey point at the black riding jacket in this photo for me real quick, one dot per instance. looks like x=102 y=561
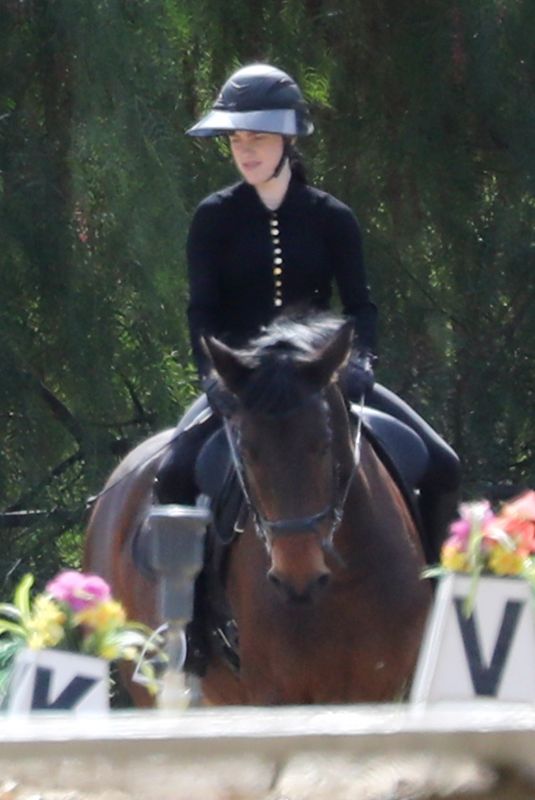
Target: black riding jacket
x=248 y=264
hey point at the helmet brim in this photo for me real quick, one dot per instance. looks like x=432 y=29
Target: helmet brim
x=278 y=120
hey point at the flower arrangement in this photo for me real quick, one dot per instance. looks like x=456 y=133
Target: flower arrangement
x=75 y=613
x=482 y=541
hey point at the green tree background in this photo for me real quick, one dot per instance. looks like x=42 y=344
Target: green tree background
x=425 y=126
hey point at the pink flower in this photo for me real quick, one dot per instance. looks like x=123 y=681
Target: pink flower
x=471 y=515
x=459 y=531
x=78 y=590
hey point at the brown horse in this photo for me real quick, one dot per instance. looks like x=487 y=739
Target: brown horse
x=324 y=582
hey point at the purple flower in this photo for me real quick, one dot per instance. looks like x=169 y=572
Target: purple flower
x=78 y=590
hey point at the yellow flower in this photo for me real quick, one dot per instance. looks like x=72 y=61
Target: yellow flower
x=454 y=559
x=130 y=654
x=109 y=614
x=36 y=641
x=109 y=651
x=46 y=624
x=504 y=561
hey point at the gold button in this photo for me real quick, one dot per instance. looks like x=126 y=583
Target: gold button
x=276 y=240
x=277 y=251
x=278 y=301
x=278 y=283
x=277 y=271
x=277 y=260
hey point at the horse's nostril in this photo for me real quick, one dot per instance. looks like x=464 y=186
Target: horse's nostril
x=275 y=580
x=323 y=580
x=299 y=594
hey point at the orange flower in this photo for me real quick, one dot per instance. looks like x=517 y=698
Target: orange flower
x=523 y=506
x=523 y=533
x=517 y=518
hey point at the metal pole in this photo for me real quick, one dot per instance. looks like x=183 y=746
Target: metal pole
x=176 y=554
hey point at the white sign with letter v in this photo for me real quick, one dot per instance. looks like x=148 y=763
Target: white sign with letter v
x=53 y=680
x=489 y=654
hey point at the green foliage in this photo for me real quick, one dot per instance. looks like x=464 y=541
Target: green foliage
x=425 y=118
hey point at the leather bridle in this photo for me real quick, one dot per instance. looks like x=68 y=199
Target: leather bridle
x=271 y=529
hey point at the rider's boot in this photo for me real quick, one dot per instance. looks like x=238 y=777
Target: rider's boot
x=437 y=510
x=168 y=547
x=174 y=486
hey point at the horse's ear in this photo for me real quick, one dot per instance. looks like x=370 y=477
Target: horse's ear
x=227 y=363
x=331 y=357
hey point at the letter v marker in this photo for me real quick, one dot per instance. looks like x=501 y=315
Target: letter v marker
x=486 y=678
x=71 y=695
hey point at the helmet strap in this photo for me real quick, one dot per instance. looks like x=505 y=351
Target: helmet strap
x=286 y=154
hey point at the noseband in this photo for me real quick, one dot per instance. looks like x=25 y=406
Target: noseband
x=272 y=529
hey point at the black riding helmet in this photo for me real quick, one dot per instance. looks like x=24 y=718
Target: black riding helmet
x=258 y=97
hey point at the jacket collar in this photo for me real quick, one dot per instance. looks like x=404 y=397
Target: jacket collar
x=294 y=190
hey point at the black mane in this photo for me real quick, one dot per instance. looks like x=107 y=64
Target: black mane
x=276 y=386
x=304 y=334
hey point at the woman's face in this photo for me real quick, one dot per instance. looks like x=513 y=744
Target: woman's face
x=256 y=155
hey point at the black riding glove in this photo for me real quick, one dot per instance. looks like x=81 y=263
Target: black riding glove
x=357 y=377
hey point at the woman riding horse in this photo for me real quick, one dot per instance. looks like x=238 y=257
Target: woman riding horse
x=270 y=243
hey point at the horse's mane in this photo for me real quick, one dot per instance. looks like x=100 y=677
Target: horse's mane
x=275 y=386
x=304 y=333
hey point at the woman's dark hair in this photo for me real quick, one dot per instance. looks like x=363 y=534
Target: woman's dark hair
x=297 y=165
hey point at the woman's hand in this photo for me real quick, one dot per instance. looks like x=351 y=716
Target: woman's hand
x=357 y=377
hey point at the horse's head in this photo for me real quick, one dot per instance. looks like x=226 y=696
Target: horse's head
x=288 y=428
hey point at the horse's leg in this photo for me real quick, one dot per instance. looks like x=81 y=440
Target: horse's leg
x=139 y=695
x=222 y=687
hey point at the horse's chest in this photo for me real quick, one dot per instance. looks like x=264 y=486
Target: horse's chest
x=331 y=655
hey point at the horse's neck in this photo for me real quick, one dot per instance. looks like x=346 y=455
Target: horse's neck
x=343 y=432
x=375 y=513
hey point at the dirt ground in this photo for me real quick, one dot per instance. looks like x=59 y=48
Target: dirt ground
x=420 y=777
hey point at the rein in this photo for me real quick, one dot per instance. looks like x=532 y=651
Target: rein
x=306 y=524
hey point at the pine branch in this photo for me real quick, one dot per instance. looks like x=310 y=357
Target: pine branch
x=27 y=498
x=61 y=413
x=142 y=415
